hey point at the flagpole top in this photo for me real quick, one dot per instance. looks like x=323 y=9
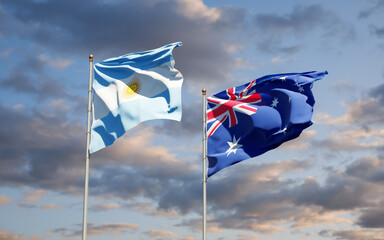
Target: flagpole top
x=91 y=58
x=204 y=91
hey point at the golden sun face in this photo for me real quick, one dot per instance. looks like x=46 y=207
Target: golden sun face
x=132 y=88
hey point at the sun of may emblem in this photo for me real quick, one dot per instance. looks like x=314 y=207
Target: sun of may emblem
x=133 y=88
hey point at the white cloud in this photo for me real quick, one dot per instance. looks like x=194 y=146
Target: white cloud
x=102 y=206
x=366 y=111
x=196 y=9
x=279 y=59
x=354 y=139
x=112 y=228
x=156 y=233
x=302 y=142
x=248 y=237
x=359 y=234
x=265 y=228
x=233 y=48
x=5 y=235
x=50 y=206
x=137 y=150
x=242 y=63
x=58 y=64
x=5 y=200
x=309 y=218
x=147 y=208
x=32 y=197
x=6 y=52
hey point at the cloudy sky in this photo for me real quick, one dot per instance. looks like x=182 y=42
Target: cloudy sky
x=327 y=184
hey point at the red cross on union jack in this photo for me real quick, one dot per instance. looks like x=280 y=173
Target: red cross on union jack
x=227 y=108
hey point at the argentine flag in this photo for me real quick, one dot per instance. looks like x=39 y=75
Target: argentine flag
x=131 y=89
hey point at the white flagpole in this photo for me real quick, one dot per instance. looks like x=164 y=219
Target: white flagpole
x=87 y=151
x=204 y=164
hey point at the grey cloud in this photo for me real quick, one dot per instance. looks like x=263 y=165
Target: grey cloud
x=369 y=11
x=354 y=188
x=171 y=184
x=334 y=146
x=279 y=202
x=35 y=150
x=357 y=234
x=7 y=25
x=128 y=26
x=302 y=18
x=191 y=122
x=43 y=150
x=372 y=218
x=34 y=80
x=378 y=92
x=377 y=31
x=49 y=157
x=251 y=180
x=41 y=86
x=47 y=151
x=185 y=196
x=125 y=182
x=291 y=49
x=368 y=169
x=253 y=194
x=282 y=203
x=344 y=86
x=97 y=230
x=275 y=30
x=275 y=45
x=362 y=118
x=339 y=193
x=368 y=111
x=267 y=207
x=181 y=194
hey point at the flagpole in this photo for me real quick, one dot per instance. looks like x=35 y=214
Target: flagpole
x=204 y=91
x=87 y=148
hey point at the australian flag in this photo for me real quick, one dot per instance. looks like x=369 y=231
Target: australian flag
x=249 y=120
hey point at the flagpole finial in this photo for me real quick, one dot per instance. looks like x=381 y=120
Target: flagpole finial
x=204 y=91
x=91 y=58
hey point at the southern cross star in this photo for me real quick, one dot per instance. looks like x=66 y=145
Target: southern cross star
x=275 y=102
x=233 y=146
x=301 y=89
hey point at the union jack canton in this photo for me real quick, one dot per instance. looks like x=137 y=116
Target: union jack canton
x=227 y=108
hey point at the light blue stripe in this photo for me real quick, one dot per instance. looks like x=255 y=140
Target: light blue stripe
x=122 y=67
x=105 y=131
